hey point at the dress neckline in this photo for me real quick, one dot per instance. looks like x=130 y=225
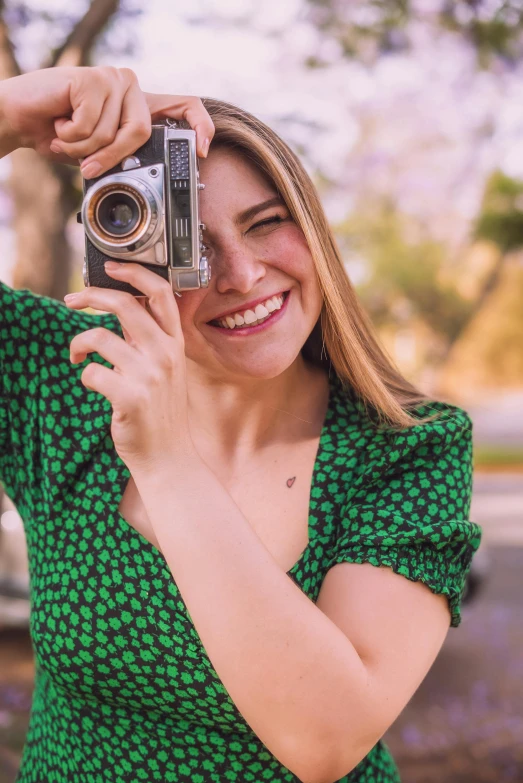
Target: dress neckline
x=122 y=476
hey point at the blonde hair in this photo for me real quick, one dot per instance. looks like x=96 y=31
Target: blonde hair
x=344 y=338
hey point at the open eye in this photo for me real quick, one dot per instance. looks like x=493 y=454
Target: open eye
x=273 y=219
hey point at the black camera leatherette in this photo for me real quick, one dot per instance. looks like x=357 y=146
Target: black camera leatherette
x=149 y=153
x=98 y=277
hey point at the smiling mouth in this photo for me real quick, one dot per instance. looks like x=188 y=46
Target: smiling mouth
x=247 y=327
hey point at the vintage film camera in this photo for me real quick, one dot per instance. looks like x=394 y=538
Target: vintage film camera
x=145 y=210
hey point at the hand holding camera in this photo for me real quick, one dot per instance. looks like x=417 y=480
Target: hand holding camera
x=98 y=114
x=99 y=117
x=146 y=210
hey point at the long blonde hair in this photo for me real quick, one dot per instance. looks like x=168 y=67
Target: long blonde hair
x=344 y=338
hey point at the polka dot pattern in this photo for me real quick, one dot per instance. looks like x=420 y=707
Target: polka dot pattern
x=124 y=689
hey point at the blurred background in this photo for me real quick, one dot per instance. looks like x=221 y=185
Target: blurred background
x=409 y=117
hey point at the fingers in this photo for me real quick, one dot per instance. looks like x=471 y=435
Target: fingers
x=159 y=298
x=106 y=381
x=198 y=118
x=108 y=345
x=101 y=136
x=133 y=131
x=184 y=107
x=87 y=98
x=137 y=323
x=110 y=119
x=142 y=329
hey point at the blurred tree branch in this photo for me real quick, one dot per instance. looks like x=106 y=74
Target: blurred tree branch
x=8 y=62
x=403 y=276
x=404 y=280
x=501 y=222
x=76 y=48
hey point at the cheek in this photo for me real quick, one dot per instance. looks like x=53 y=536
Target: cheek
x=289 y=251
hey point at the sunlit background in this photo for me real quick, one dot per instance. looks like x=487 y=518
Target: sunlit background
x=409 y=118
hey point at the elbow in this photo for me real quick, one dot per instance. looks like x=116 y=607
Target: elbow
x=311 y=761
x=327 y=755
x=330 y=764
x=321 y=768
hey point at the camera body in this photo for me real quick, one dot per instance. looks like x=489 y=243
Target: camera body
x=145 y=210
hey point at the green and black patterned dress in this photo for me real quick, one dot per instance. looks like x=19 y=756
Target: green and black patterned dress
x=124 y=689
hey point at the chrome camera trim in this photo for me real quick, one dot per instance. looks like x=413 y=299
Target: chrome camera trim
x=154 y=201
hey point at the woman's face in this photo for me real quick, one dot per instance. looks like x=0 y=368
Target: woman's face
x=250 y=263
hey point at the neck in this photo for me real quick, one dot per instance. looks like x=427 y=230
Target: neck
x=233 y=421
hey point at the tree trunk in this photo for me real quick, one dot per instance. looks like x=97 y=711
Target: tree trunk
x=77 y=47
x=42 y=208
x=488 y=287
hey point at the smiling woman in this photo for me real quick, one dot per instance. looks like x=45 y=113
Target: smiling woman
x=247 y=533
x=342 y=337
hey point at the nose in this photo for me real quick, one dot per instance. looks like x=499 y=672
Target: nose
x=235 y=268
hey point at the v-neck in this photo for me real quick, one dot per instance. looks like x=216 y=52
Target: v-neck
x=123 y=475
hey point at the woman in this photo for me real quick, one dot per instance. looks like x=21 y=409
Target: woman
x=246 y=543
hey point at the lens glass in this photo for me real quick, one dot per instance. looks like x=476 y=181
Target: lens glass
x=118 y=214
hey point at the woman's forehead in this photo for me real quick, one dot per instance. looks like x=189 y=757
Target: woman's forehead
x=231 y=164
x=232 y=181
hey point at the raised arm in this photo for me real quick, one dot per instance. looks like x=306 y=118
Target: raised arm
x=93 y=115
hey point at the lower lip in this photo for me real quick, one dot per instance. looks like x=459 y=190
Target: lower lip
x=245 y=330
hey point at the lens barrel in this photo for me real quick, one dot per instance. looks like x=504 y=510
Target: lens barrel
x=122 y=213
x=118 y=214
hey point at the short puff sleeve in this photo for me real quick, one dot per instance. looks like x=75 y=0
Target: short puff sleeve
x=38 y=386
x=412 y=516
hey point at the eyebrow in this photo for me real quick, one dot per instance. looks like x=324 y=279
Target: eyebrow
x=248 y=214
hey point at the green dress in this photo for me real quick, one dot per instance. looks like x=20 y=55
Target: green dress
x=124 y=689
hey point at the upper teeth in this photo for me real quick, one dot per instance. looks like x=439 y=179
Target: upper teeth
x=250 y=317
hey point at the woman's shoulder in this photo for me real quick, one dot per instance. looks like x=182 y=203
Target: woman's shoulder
x=28 y=315
x=446 y=437
x=377 y=448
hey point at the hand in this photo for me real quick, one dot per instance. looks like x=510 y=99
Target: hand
x=96 y=115
x=147 y=384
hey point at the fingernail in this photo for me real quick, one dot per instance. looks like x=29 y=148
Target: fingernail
x=91 y=169
x=112 y=266
x=55 y=147
x=70 y=297
x=205 y=146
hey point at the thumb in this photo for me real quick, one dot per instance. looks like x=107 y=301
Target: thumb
x=163 y=105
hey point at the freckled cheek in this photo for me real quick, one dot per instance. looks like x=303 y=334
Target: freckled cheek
x=297 y=262
x=290 y=254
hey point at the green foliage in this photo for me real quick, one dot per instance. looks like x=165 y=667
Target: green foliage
x=494 y=29
x=367 y=29
x=501 y=216
x=363 y=30
x=403 y=276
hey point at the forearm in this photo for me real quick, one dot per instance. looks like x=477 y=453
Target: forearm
x=285 y=664
x=8 y=139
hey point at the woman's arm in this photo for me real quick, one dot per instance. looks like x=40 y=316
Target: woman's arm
x=8 y=140
x=96 y=115
x=294 y=675
x=80 y=109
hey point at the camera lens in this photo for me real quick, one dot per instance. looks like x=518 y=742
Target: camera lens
x=123 y=214
x=118 y=214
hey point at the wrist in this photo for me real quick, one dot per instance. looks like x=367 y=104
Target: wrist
x=171 y=468
x=9 y=140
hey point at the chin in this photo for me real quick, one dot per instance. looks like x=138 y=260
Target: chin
x=261 y=372
x=260 y=368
